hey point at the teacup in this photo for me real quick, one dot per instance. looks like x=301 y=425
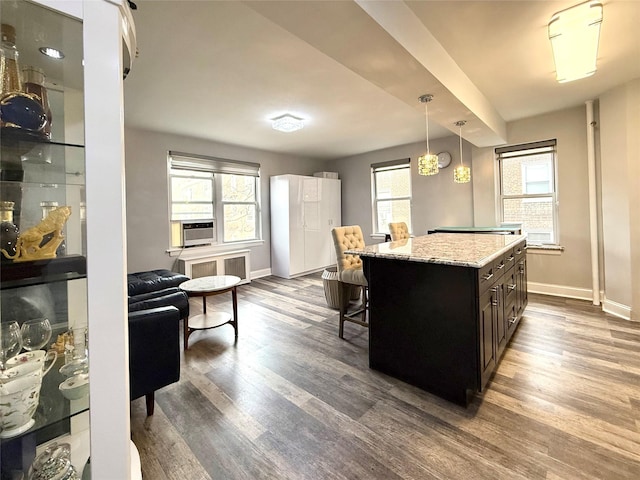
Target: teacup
x=19 y=399
x=37 y=358
x=20 y=386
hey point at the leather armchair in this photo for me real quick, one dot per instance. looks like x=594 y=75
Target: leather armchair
x=156 y=305
x=154 y=351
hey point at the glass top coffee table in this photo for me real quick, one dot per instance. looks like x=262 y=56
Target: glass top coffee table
x=205 y=287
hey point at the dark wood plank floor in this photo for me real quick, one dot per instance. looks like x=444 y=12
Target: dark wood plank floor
x=291 y=400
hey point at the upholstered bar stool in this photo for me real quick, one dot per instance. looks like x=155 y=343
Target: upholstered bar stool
x=350 y=273
x=399 y=231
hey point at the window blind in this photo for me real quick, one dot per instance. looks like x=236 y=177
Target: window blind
x=203 y=163
x=534 y=148
x=390 y=165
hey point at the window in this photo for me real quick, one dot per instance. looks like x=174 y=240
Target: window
x=391 y=194
x=528 y=189
x=206 y=188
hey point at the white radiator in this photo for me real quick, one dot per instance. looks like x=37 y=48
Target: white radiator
x=229 y=263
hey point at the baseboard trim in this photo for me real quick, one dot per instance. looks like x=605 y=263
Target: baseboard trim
x=608 y=306
x=617 y=309
x=265 y=272
x=560 y=290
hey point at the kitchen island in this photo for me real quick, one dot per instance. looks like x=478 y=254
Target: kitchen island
x=443 y=308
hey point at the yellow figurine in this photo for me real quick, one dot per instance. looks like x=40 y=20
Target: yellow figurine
x=29 y=245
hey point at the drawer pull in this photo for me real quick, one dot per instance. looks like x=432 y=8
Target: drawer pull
x=500 y=266
x=512 y=320
x=487 y=276
x=518 y=251
x=494 y=303
x=510 y=258
x=511 y=287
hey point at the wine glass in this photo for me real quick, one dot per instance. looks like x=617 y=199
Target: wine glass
x=35 y=333
x=10 y=342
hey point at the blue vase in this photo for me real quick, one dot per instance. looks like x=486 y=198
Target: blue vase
x=20 y=110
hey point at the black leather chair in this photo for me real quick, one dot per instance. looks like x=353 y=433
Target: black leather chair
x=154 y=351
x=156 y=305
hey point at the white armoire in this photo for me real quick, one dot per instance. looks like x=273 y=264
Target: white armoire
x=303 y=212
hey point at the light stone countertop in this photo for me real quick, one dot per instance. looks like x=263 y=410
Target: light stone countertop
x=461 y=249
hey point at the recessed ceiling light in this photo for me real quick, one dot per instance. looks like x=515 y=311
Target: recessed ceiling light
x=287 y=123
x=51 y=52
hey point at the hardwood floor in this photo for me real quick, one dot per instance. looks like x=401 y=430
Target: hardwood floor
x=291 y=400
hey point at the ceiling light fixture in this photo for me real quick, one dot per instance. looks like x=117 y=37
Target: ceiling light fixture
x=427 y=163
x=574 y=34
x=287 y=123
x=461 y=174
x=51 y=52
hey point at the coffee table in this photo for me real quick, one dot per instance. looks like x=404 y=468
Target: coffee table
x=205 y=287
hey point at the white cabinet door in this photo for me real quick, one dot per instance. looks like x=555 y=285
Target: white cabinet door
x=330 y=217
x=313 y=227
x=296 y=226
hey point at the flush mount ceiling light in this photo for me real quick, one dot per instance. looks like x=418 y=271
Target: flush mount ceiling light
x=287 y=123
x=51 y=52
x=427 y=163
x=574 y=34
x=461 y=174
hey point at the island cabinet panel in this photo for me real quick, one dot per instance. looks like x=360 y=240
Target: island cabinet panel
x=443 y=327
x=423 y=325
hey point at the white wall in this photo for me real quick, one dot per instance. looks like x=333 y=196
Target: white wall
x=570 y=271
x=147 y=192
x=436 y=200
x=620 y=158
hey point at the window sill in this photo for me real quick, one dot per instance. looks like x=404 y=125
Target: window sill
x=213 y=249
x=545 y=249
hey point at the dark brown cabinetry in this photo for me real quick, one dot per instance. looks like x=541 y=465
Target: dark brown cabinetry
x=444 y=327
x=500 y=307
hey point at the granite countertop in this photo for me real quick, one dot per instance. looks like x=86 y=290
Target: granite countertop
x=461 y=249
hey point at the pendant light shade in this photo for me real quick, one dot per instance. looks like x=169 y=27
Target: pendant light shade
x=427 y=163
x=461 y=174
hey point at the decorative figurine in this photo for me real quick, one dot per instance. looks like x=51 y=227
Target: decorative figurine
x=30 y=244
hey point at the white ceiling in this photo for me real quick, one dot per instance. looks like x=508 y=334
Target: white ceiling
x=355 y=69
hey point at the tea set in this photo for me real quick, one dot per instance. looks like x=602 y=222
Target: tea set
x=21 y=376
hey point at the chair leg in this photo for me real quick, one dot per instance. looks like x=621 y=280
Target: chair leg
x=150 y=398
x=342 y=287
x=365 y=303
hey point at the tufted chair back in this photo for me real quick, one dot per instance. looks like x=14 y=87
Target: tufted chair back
x=398 y=231
x=345 y=238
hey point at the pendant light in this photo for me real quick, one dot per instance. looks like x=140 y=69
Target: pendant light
x=461 y=174
x=427 y=163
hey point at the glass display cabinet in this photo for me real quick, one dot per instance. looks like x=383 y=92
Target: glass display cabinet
x=64 y=375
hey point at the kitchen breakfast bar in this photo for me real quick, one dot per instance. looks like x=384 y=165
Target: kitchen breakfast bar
x=443 y=308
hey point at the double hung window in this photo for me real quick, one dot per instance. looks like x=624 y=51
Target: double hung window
x=391 y=188
x=225 y=191
x=528 y=190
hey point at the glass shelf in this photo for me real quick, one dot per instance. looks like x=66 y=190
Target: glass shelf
x=27 y=158
x=37 y=272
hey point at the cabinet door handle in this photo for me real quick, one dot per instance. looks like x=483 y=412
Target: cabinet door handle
x=494 y=289
x=487 y=276
x=511 y=287
x=500 y=266
x=494 y=303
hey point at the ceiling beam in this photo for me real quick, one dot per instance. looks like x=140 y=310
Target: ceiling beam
x=485 y=127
